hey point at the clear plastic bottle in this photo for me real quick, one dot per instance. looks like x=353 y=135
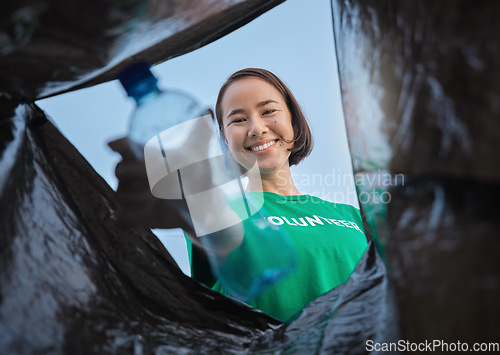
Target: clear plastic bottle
x=156 y=110
x=185 y=159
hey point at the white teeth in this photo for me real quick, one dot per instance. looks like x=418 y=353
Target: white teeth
x=262 y=147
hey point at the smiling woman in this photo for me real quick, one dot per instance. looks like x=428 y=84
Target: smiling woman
x=262 y=122
x=260 y=128
x=259 y=116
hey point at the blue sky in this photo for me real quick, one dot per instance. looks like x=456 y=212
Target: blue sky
x=293 y=40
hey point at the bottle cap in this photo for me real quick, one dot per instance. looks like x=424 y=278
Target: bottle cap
x=138 y=80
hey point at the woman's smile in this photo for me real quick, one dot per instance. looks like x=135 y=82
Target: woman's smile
x=262 y=147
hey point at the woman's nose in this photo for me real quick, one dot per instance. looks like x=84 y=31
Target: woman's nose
x=257 y=126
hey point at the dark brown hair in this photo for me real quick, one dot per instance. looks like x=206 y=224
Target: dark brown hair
x=302 y=137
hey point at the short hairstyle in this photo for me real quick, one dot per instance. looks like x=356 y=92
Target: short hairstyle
x=302 y=137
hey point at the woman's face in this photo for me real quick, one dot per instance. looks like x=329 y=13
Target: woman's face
x=257 y=124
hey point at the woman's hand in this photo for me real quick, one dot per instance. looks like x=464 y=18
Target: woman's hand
x=136 y=205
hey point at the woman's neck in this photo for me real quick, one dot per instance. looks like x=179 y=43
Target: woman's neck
x=279 y=182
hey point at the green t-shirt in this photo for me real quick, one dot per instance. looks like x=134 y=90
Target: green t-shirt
x=329 y=242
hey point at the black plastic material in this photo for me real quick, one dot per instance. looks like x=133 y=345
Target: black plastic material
x=421 y=95
x=54 y=46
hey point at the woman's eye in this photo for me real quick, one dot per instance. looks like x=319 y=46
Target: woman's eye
x=268 y=112
x=238 y=120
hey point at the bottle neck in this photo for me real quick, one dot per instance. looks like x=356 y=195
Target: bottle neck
x=146 y=96
x=143 y=89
